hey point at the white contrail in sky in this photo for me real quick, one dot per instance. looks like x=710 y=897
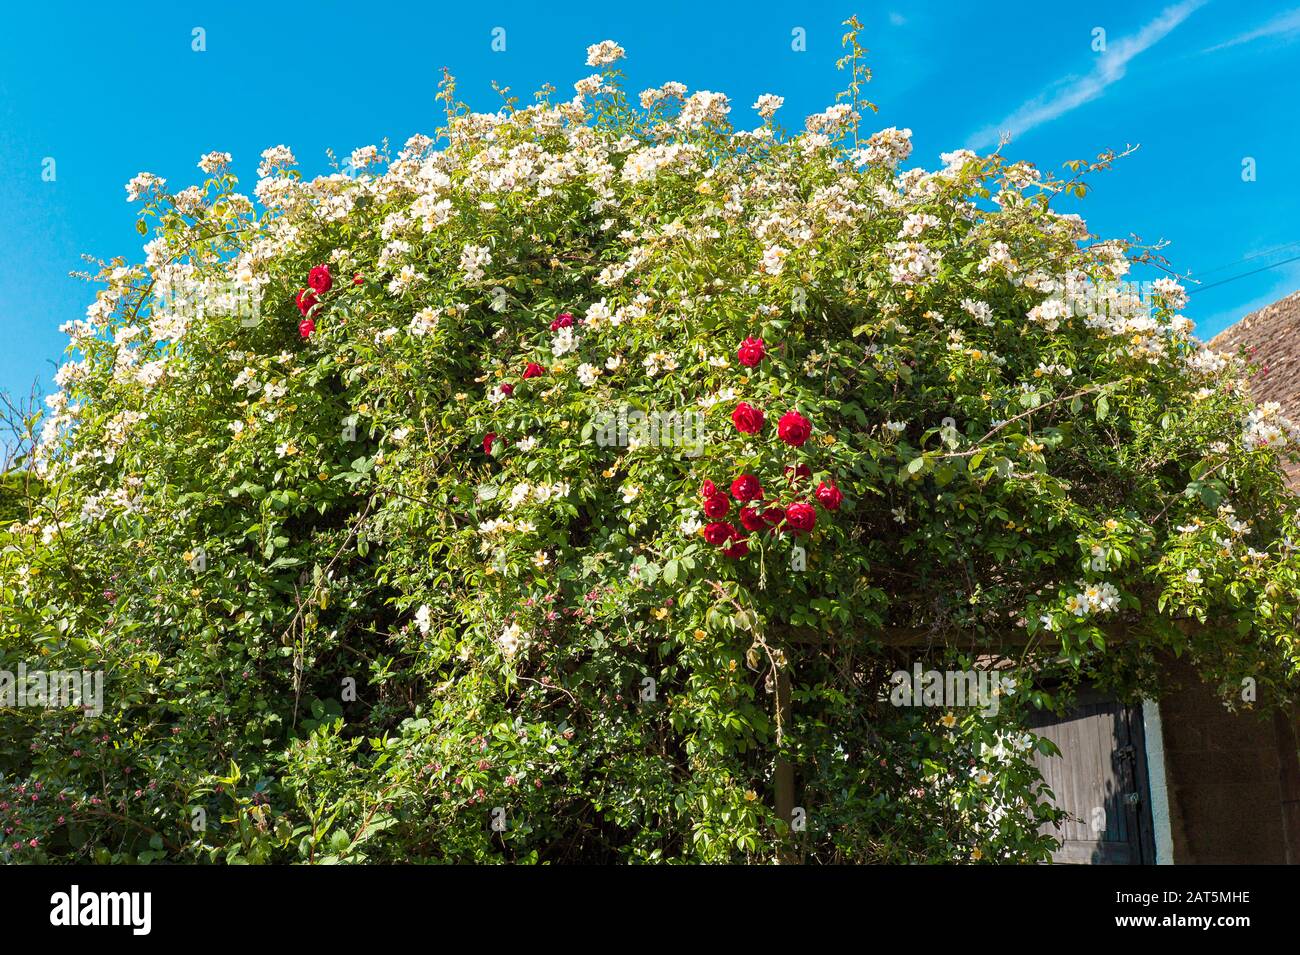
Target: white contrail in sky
x=1286 y=24
x=1073 y=91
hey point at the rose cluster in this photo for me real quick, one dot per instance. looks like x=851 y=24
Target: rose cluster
x=319 y=281
x=797 y=517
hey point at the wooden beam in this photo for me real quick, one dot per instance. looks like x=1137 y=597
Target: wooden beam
x=1011 y=637
x=783 y=775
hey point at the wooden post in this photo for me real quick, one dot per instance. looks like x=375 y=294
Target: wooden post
x=783 y=777
x=1289 y=782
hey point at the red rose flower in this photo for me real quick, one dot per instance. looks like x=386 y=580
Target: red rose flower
x=563 y=320
x=708 y=489
x=488 y=440
x=739 y=549
x=801 y=517
x=797 y=473
x=747 y=418
x=506 y=389
x=751 y=352
x=306 y=327
x=357 y=279
x=747 y=488
x=793 y=428
x=320 y=280
x=718 y=533
x=533 y=370
x=306 y=300
x=828 y=496
x=752 y=519
x=717 y=506
x=774 y=515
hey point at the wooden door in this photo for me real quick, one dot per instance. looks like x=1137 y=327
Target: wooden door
x=1100 y=779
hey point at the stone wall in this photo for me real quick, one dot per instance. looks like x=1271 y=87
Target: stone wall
x=1221 y=777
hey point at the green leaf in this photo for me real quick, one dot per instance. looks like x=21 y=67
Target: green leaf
x=670 y=572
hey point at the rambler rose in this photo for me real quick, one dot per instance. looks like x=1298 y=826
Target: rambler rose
x=320 y=279
x=800 y=517
x=752 y=519
x=718 y=533
x=515 y=596
x=746 y=488
x=739 y=548
x=716 y=507
x=828 y=496
x=793 y=428
x=747 y=418
x=751 y=352
x=306 y=300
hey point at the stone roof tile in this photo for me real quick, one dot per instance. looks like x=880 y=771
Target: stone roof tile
x=1271 y=337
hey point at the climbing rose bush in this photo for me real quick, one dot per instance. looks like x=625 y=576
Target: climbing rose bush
x=323 y=492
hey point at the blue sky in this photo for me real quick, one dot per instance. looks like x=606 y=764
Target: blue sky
x=1202 y=85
